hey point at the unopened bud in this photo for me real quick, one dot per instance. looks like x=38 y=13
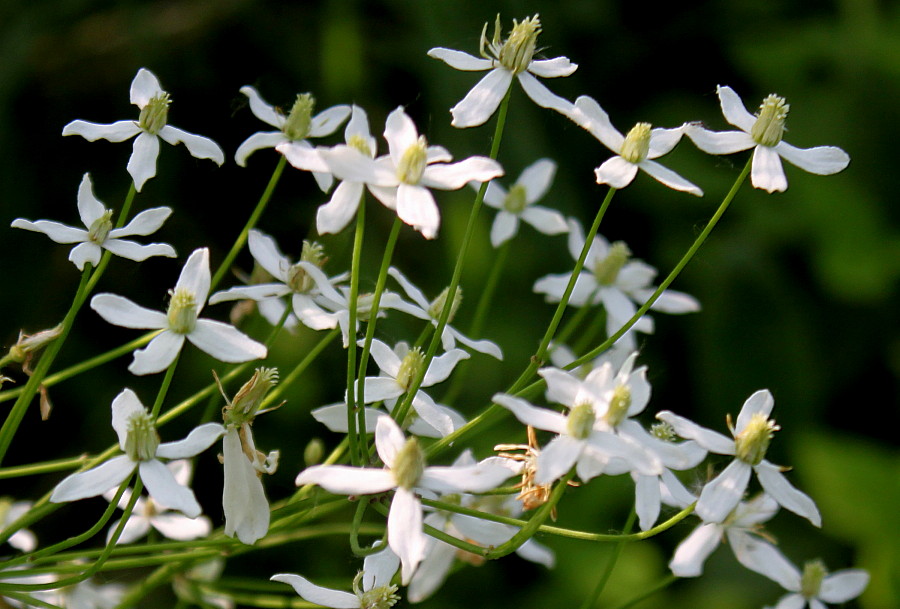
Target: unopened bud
x=29 y=344
x=313 y=453
x=438 y=304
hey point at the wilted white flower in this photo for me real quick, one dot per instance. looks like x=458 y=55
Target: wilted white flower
x=147 y=95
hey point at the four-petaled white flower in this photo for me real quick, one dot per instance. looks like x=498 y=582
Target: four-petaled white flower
x=812 y=588
x=401 y=179
x=405 y=472
x=100 y=233
x=293 y=131
x=139 y=441
x=506 y=59
x=180 y=322
x=763 y=133
x=147 y=95
x=516 y=204
x=636 y=150
x=147 y=513
x=372 y=588
x=752 y=433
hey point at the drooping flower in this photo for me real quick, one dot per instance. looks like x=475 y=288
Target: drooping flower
x=147 y=513
x=636 y=150
x=517 y=204
x=405 y=472
x=506 y=59
x=147 y=95
x=180 y=322
x=764 y=133
x=401 y=179
x=752 y=433
x=99 y=233
x=293 y=131
x=139 y=440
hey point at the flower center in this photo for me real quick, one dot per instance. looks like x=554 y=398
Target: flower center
x=410 y=367
x=182 y=313
x=515 y=201
x=814 y=572
x=409 y=464
x=155 y=114
x=382 y=597
x=607 y=270
x=360 y=143
x=99 y=229
x=438 y=304
x=581 y=421
x=637 y=143
x=663 y=431
x=298 y=122
x=769 y=126
x=141 y=439
x=516 y=52
x=298 y=279
x=412 y=163
x=752 y=443
x=618 y=405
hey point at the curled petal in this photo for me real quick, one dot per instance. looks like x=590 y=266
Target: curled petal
x=131 y=250
x=617 y=172
x=541 y=418
x=86 y=252
x=708 y=439
x=317 y=594
x=587 y=114
x=144 y=87
x=265 y=251
x=196 y=442
x=59 y=233
x=195 y=276
x=261 y=109
x=145 y=223
x=552 y=68
x=452 y=176
x=200 y=147
x=89 y=208
x=718 y=142
x=541 y=95
x=761 y=402
x=327 y=122
x=258 y=141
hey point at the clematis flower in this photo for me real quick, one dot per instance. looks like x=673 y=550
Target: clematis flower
x=293 y=131
x=147 y=513
x=610 y=276
x=334 y=417
x=506 y=59
x=100 y=233
x=401 y=180
x=636 y=150
x=147 y=95
x=752 y=434
x=180 y=322
x=517 y=204
x=764 y=133
x=292 y=279
x=813 y=587
x=406 y=473
x=372 y=588
x=139 y=441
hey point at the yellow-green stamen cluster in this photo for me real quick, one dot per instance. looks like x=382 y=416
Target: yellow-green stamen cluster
x=581 y=420
x=412 y=163
x=636 y=146
x=298 y=279
x=515 y=201
x=99 y=229
x=814 y=572
x=769 y=126
x=607 y=270
x=409 y=464
x=438 y=304
x=663 y=431
x=382 y=597
x=182 y=313
x=751 y=444
x=619 y=404
x=155 y=114
x=141 y=440
x=410 y=366
x=516 y=52
x=299 y=120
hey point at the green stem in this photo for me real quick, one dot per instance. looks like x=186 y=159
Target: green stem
x=610 y=565
x=164 y=387
x=354 y=411
x=45 y=467
x=251 y=222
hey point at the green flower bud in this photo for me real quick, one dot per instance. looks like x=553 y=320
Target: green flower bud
x=769 y=126
x=412 y=163
x=141 y=440
x=155 y=114
x=409 y=464
x=581 y=421
x=438 y=304
x=515 y=200
x=752 y=443
x=99 y=228
x=182 y=313
x=298 y=122
x=29 y=344
x=636 y=146
x=607 y=270
x=410 y=367
x=313 y=453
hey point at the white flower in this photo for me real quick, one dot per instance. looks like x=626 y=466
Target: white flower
x=405 y=472
x=517 y=203
x=139 y=441
x=431 y=311
x=292 y=280
x=147 y=95
x=180 y=322
x=513 y=57
x=812 y=588
x=636 y=150
x=147 y=513
x=334 y=417
x=293 y=131
x=752 y=434
x=611 y=277
x=10 y=511
x=763 y=133
x=744 y=521
x=401 y=179
x=100 y=232
x=372 y=588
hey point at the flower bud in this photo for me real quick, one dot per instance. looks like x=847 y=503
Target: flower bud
x=182 y=313
x=515 y=200
x=298 y=122
x=412 y=163
x=141 y=440
x=752 y=443
x=409 y=464
x=636 y=146
x=581 y=420
x=437 y=305
x=607 y=270
x=769 y=126
x=155 y=114
x=29 y=344
x=313 y=453
x=410 y=367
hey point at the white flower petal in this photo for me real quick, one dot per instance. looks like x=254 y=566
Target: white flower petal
x=157 y=356
x=761 y=402
x=841 y=586
x=59 y=233
x=476 y=478
x=552 y=68
x=432 y=571
x=195 y=276
x=400 y=133
x=708 y=439
x=243 y=497
x=414 y=293
x=200 y=147
x=265 y=251
x=778 y=487
x=134 y=251
x=734 y=110
x=136 y=527
x=388 y=361
x=225 y=343
x=662 y=141
x=405 y=536
x=389 y=440
x=258 y=141
x=547 y=221
x=431 y=414
x=695 y=549
x=144 y=87
x=93 y=482
x=482 y=100
x=142 y=163
x=379 y=568
x=120 y=311
x=541 y=418
x=349 y=164
x=588 y=114
x=196 y=442
x=327 y=122
x=767 y=172
x=541 y=95
x=145 y=223
x=83 y=253
x=617 y=172
x=125 y=406
x=797 y=601
x=482 y=346
x=334 y=417
x=335 y=215
x=505 y=227
x=442 y=366
x=562 y=386
x=557 y=458
x=460 y=60
x=317 y=594
x=762 y=557
x=89 y=208
x=718 y=142
x=722 y=494
x=822 y=160
x=670 y=178
x=647 y=501
x=453 y=176
x=670 y=301
x=304 y=156
x=261 y=109
x=263 y=291
x=536 y=179
x=537 y=553
x=114 y=132
x=494 y=195
x=180 y=527
x=416 y=207
x=311 y=314
x=379 y=388
x=346 y=480
x=165 y=491
x=755 y=511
